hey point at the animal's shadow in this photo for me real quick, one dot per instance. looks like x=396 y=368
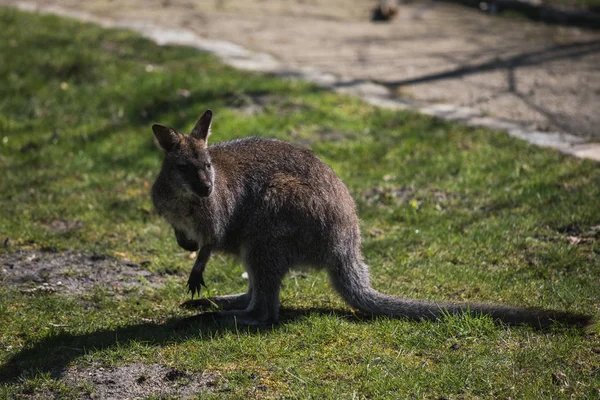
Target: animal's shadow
x=54 y=353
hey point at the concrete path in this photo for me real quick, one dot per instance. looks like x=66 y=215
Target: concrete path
x=540 y=83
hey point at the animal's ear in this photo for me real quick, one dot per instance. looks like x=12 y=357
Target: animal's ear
x=167 y=137
x=202 y=129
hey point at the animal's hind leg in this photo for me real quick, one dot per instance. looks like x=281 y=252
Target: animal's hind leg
x=266 y=266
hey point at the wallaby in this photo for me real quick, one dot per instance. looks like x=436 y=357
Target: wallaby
x=276 y=206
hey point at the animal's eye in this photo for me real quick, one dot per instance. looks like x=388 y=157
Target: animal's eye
x=208 y=166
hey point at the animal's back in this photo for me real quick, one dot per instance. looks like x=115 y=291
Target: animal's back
x=274 y=171
x=285 y=194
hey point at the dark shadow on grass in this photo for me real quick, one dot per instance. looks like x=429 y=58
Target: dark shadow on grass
x=54 y=353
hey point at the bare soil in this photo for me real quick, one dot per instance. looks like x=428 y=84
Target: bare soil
x=547 y=77
x=139 y=381
x=385 y=195
x=36 y=272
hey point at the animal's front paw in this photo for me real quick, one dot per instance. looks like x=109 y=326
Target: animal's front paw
x=195 y=282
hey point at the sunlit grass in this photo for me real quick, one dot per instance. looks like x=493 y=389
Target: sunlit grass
x=447 y=213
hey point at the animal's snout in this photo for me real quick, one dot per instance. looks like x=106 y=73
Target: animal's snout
x=203 y=189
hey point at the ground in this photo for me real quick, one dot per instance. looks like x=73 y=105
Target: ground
x=93 y=279
x=71 y=273
x=545 y=77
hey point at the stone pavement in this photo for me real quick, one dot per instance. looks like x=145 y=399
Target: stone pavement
x=539 y=83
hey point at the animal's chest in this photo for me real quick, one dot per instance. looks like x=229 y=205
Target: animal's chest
x=189 y=219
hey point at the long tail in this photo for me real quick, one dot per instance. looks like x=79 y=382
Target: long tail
x=353 y=285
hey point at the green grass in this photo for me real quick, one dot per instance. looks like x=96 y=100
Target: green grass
x=484 y=218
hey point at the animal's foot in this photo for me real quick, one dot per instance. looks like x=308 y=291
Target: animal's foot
x=195 y=282
x=230 y=302
x=203 y=318
x=227 y=318
x=198 y=303
x=244 y=318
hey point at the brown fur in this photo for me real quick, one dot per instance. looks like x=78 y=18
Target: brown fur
x=276 y=206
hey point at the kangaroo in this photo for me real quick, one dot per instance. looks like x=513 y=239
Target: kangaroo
x=276 y=206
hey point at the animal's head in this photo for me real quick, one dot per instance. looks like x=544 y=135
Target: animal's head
x=187 y=165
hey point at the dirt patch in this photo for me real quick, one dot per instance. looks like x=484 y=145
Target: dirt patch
x=246 y=104
x=256 y=103
x=307 y=139
x=382 y=196
x=385 y=196
x=137 y=381
x=63 y=225
x=72 y=273
x=332 y=135
x=577 y=235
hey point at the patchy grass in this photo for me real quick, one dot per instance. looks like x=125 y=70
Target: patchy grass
x=448 y=213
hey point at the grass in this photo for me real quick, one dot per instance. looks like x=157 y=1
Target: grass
x=447 y=213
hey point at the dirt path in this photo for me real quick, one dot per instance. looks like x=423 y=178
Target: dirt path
x=546 y=78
